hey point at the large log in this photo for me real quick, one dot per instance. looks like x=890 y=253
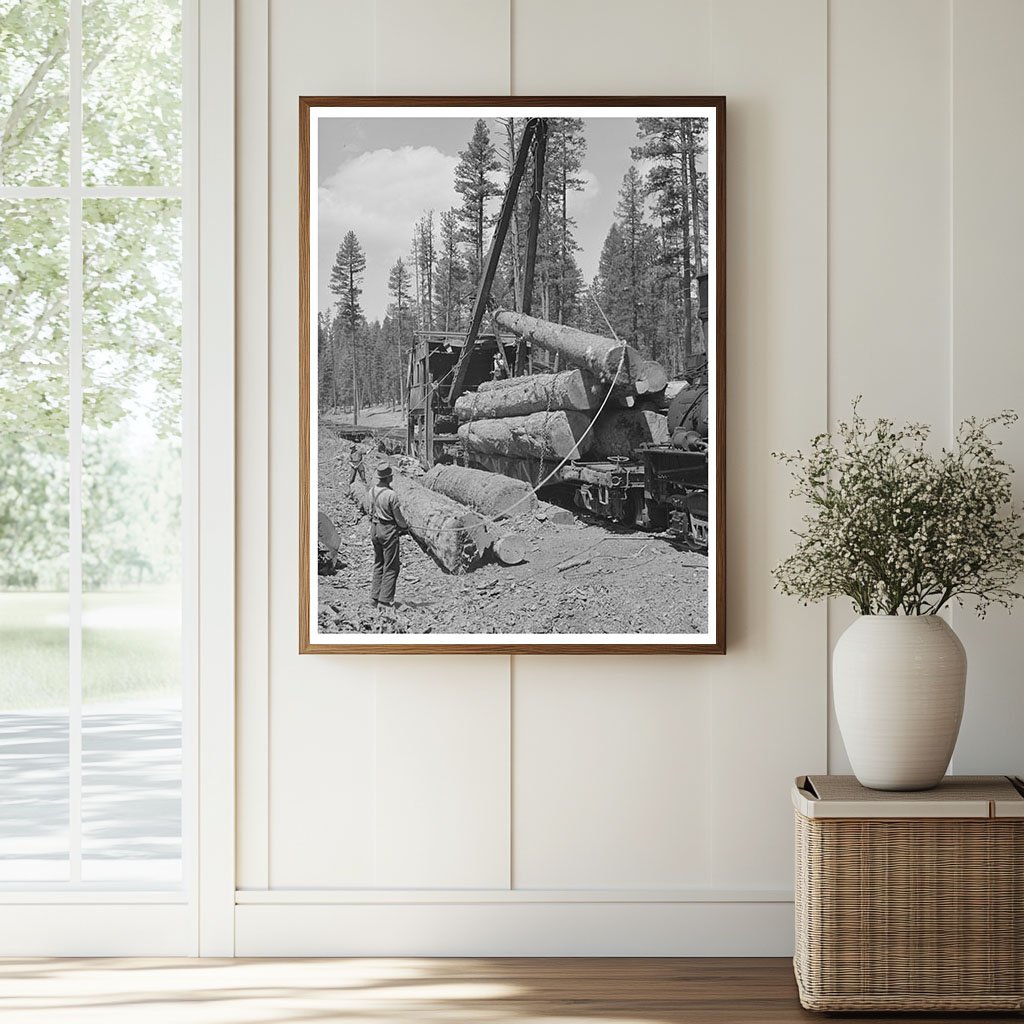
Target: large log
x=495 y=384
x=457 y=537
x=601 y=356
x=672 y=388
x=492 y=494
x=653 y=378
x=619 y=432
x=510 y=549
x=527 y=470
x=572 y=391
x=622 y=396
x=541 y=435
x=661 y=401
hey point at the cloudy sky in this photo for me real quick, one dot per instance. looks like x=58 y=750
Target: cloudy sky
x=378 y=176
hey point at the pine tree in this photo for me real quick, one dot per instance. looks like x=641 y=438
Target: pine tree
x=451 y=275
x=398 y=286
x=346 y=281
x=557 y=272
x=426 y=256
x=613 y=288
x=414 y=262
x=696 y=130
x=326 y=391
x=630 y=215
x=568 y=147
x=673 y=144
x=477 y=162
x=508 y=284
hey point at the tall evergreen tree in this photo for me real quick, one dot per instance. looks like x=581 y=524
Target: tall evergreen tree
x=613 y=287
x=414 y=262
x=557 y=273
x=636 y=241
x=398 y=287
x=426 y=256
x=473 y=181
x=696 y=130
x=568 y=147
x=326 y=387
x=508 y=285
x=673 y=145
x=346 y=282
x=451 y=275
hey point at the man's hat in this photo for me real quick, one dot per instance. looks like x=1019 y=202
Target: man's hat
x=384 y=472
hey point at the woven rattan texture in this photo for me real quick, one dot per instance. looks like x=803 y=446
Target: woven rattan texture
x=910 y=914
x=960 y=787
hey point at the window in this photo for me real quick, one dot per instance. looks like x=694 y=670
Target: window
x=95 y=477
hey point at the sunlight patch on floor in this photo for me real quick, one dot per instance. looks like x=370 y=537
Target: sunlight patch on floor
x=146 y=991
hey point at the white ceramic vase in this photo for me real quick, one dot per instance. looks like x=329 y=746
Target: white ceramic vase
x=898 y=684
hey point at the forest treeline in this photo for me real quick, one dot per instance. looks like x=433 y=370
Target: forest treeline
x=646 y=283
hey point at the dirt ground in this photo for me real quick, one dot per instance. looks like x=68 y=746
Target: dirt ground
x=624 y=581
x=372 y=416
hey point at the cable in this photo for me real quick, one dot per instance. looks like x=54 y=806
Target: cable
x=611 y=387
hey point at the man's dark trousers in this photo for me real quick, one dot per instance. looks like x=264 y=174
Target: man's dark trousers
x=386 y=562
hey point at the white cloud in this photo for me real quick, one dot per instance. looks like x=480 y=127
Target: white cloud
x=581 y=201
x=380 y=195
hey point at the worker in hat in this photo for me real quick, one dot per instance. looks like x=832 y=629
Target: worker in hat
x=355 y=457
x=386 y=525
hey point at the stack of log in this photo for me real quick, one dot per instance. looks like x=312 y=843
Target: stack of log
x=453 y=530
x=608 y=403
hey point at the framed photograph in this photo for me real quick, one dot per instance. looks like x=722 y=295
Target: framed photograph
x=512 y=375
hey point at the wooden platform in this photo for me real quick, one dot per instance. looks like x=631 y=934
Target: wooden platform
x=418 y=991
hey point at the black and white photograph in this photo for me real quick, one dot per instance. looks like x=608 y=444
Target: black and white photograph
x=510 y=361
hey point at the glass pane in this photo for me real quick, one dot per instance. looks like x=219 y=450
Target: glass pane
x=131 y=542
x=33 y=92
x=131 y=92
x=33 y=540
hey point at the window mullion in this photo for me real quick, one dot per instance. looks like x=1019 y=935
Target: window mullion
x=75 y=335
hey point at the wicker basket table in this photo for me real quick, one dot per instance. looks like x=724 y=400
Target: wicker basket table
x=910 y=901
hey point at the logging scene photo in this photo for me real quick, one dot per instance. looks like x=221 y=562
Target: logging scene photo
x=513 y=374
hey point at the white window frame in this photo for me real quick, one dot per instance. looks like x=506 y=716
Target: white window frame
x=73 y=918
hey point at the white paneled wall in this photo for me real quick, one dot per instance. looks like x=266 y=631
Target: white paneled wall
x=768 y=693
x=889 y=199
x=614 y=805
x=612 y=771
x=576 y=47
x=441 y=48
x=442 y=798
x=986 y=368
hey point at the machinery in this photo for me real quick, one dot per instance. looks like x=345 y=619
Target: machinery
x=431 y=426
x=658 y=487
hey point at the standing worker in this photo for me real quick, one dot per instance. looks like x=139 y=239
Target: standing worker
x=386 y=525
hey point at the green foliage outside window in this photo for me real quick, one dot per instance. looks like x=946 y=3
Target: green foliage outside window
x=131 y=304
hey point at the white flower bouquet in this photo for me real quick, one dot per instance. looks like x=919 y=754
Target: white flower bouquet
x=900 y=530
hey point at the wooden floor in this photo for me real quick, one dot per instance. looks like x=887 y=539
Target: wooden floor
x=382 y=991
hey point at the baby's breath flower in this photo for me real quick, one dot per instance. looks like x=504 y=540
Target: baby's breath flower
x=898 y=529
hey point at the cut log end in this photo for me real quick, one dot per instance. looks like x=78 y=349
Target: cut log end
x=509 y=550
x=652 y=378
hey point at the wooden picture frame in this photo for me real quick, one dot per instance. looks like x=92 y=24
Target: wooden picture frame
x=673 y=511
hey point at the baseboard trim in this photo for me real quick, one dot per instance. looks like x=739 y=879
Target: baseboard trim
x=350 y=897
x=516 y=928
